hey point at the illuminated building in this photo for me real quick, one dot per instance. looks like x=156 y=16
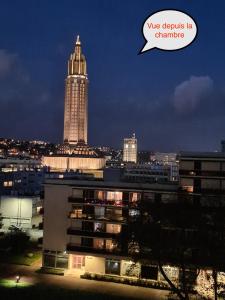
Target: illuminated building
x=86 y=226
x=130 y=149
x=75 y=154
x=92 y=227
x=76 y=98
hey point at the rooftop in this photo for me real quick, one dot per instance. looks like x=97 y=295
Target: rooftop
x=217 y=155
x=171 y=187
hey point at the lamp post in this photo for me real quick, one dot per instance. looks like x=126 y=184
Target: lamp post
x=17 y=279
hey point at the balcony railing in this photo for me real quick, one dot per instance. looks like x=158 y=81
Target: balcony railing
x=117 y=203
x=74 y=199
x=81 y=248
x=95 y=201
x=198 y=172
x=89 y=233
x=105 y=218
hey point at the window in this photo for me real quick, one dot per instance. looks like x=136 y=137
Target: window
x=62 y=262
x=98 y=243
x=114 y=195
x=76 y=212
x=134 y=198
x=49 y=260
x=110 y=245
x=99 y=212
x=113 y=228
x=100 y=195
x=99 y=227
x=7 y=183
x=114 y=214
x=112 y=267
x=78 y=261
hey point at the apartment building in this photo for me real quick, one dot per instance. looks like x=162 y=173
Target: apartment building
x=202 y=174
x=87 y=224
x=97 y=226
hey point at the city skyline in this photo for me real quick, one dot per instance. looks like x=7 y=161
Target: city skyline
x=173 y=101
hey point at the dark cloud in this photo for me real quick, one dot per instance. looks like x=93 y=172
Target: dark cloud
x=189 y=94
x=28 y=110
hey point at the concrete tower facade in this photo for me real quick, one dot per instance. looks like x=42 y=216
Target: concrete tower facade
x=76 y=99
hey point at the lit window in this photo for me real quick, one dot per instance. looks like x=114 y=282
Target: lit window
x=113 y=228
x=98 y=243
x=112 y=266
x=7 y=183
x=188 y=188
x=114 y=195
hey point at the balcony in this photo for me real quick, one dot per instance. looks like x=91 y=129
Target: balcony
x=202 y=173
x=74 y=199
x=93 y=217
x=97 y=234
x=106 y=202
x=81 y=248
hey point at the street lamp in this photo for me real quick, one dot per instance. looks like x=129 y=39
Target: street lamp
x=17 y=278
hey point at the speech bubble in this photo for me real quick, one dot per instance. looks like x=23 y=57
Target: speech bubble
x=168 y=30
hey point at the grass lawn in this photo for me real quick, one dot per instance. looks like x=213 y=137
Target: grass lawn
x=20 y=259
x=12 y=283
x=38 y=292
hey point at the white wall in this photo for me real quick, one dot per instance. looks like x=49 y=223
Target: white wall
x=56 y=222
x=95 y=264
x=16 y=211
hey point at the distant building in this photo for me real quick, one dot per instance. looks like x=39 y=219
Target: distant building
x=144 y=156
x=23 y=177
x=203 y=172
x=130 y=149
x=150 y=173
x=164 y=157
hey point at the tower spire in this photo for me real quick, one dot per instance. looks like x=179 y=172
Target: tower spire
x=78 y=40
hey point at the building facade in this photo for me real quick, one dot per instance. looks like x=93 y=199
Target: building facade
x=76 y=98
x=202 y=173
x=75 y=154
x=130 y=149
x=114 y=228
x=92 y=220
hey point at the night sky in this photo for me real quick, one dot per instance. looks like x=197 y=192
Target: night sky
x=171 y=100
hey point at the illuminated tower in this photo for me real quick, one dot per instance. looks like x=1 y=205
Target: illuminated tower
x=76 y=99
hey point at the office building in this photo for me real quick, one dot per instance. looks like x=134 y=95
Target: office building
x=130 y=149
